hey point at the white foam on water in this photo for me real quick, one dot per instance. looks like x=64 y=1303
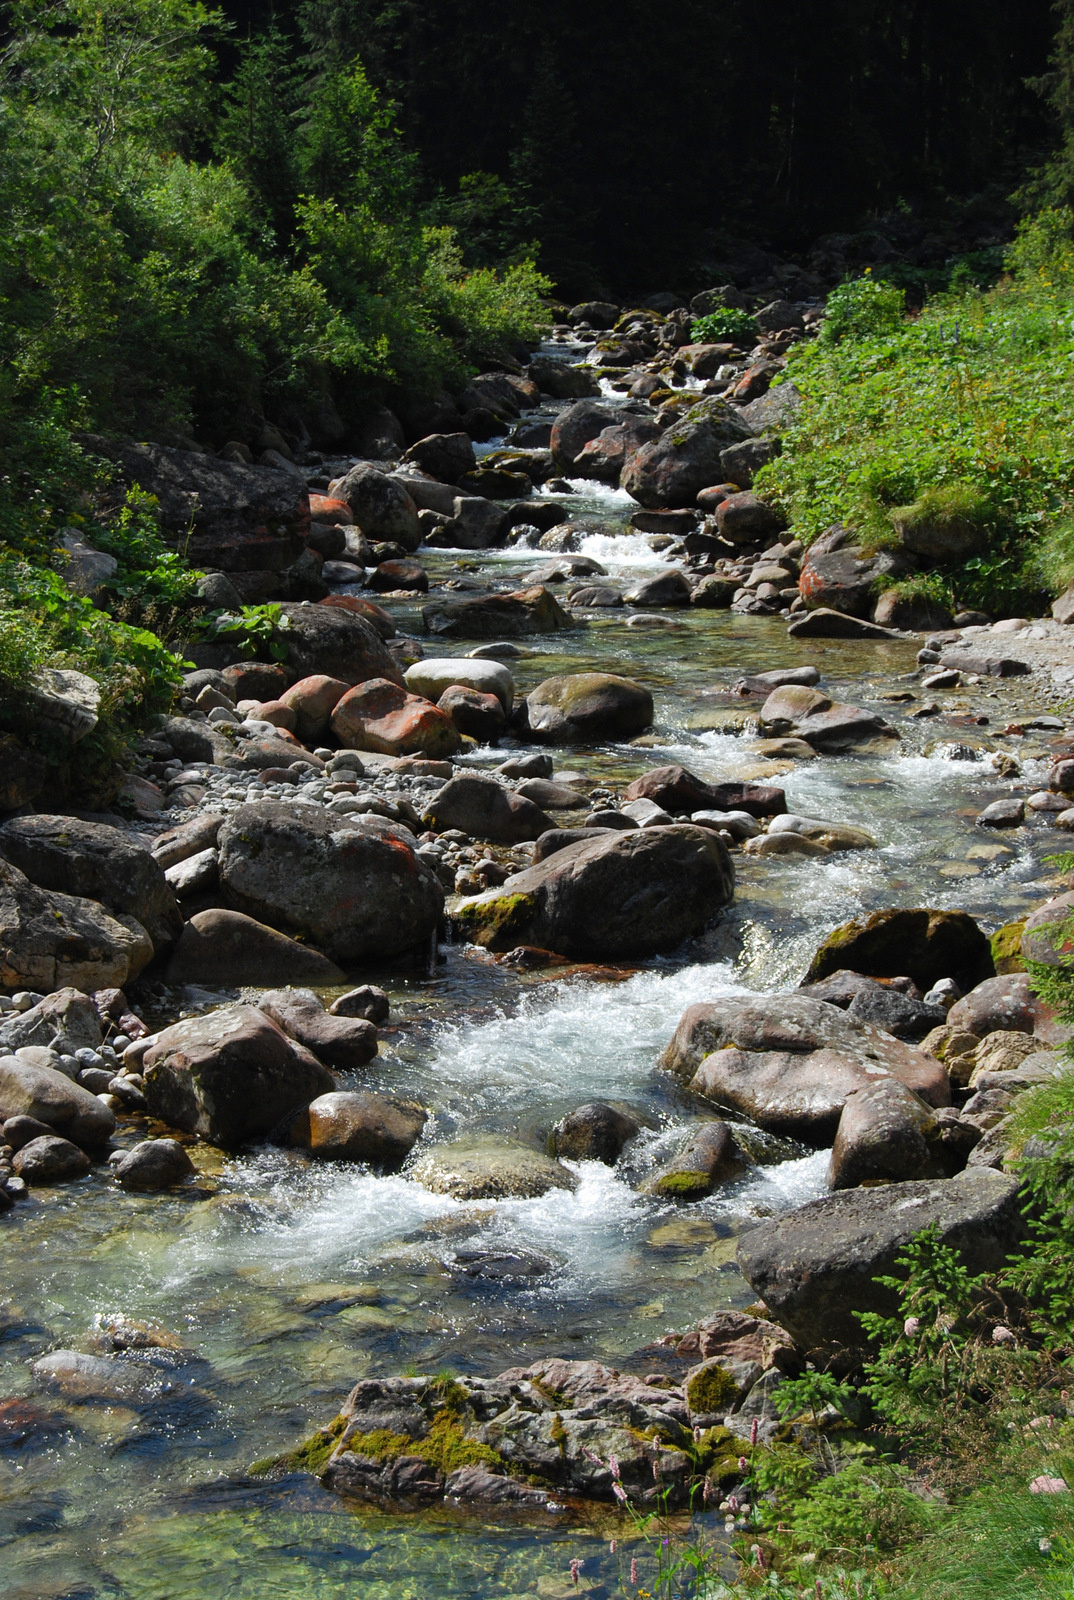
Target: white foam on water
x=570 y=1039
x=622 y=552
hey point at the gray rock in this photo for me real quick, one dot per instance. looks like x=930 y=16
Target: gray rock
x=232 y=1076
x=67 y=1012
x=1007 y=813
x=886 y=1132
x=586 y=707
x=985 y=665
x=485 y=809
x=669 y=588
x=824 y=623
x=382 y=507
x=593 y=1132
x=351 y=891
x=788 y=1063
x=50 y=1159
x=708 y=1158
x=367 y=1002
x=818 y=1265
x=225 y=949
x=622 y=894
x=686 y=458
x=97 y=863
x=343 y=1043
x=330 y=641
x=152 y=1165
x=483 y=1169
x=51 y=941
x=188 y=839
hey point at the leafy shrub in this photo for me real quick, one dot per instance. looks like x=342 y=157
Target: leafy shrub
x=868 y=1504
x=863 y=308
x=973 y=398
x=726 y=325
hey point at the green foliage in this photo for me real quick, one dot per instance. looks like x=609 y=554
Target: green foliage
x=814 y=1392
x=867 y=1506
x=863 y=308
x=970 y=405
x=255 y=630
x=724 y=325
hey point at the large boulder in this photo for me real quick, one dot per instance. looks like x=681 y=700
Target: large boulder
x=485 y=809
x=354 y=1125
x=98 y=863
x=431 y=676
x=686 y=458
x=887 y=1133
x=52 y=941
x=827 y=725
x=227 y=950
x=343 y=1043
x=921 y=944
x=608 y=455
x=846 y=579
x=354 y=893
x=498 y=616
x=232 y=1076
x=625 y=894
x=815 y=1267
x=229 y=518
x=475 y=523
x=444 y=456
x=329 y=641
x=583 y=707
x=51 y=1098
x=593 y=1132
x=382 y=717
x=382 y=507
x=745 y=519
x=68 y=1013
x=562 y=381
x=575 y=426
x=50 y=1159
x=788 y=1063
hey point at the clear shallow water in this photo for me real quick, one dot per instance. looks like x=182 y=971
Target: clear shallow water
x=292 y=1281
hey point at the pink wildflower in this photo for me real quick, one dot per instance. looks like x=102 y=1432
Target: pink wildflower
x=1002 y=1335
x=742 y=1463
x=753 y=1431
x=619 y=1492
x=1046 y=1485
x=576 y=1567
x=911 y=1326
x=613 y=1547
x=634 y=1571
x=613 y=1465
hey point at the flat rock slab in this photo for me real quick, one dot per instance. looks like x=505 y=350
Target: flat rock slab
x=815 y=1267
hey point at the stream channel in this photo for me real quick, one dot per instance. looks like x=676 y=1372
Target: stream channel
x=293 y=1281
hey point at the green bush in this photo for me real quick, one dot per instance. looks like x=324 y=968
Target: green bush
x=727 y=325
x=971 y=401
x=863 y=308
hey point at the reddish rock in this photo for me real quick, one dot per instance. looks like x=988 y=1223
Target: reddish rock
x=278 y=713
x=329 y=508
x=256 y=680
x=380 y=716
x=367 y=609
x=479 y=716
x=392 y=575
x=311 y=701
x=746 y=519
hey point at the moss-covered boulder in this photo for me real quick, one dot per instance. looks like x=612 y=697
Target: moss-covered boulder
x=921 y=944
x=623 y=894
x=583 y=707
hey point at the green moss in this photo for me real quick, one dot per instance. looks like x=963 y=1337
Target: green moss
x=712 y=1388
x=683 y=1185
x=1006 y=945
x=716 y=1456
x=559 y=1434
x=445 y=1446
x=497 y=924
x=311 y=1455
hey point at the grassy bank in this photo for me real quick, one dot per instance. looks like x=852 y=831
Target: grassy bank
x=963 y=411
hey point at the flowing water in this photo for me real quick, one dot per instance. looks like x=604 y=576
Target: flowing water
x=293 y=1281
